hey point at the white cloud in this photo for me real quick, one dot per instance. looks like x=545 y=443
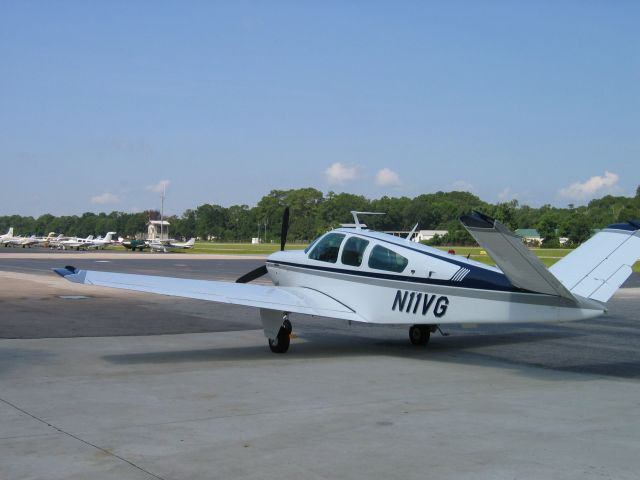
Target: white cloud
x=506 y=194
x=340 y=174
x=105 y=198
x=158 y=187
x=462 y=186
x=588 y=189
x=388 y=178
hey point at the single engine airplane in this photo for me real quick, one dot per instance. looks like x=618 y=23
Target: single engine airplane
x=102 y=242
x=360 y=275
x=7 y=237
x=76 y=242
x=167 y=245
x=133 y=244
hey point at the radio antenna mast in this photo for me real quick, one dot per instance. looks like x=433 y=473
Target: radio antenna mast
x=164 y=186
x=355 y=214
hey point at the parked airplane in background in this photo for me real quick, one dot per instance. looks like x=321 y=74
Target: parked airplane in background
x=55 y=242
x=77 y=243
x=102 y=242
x=4 y=239
x=14 y=241
x=25 y=241
x=49 y=239
x=359 y=275
x=167 y=245
x=133 y=244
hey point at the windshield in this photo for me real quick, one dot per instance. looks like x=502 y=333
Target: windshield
x=327 y=248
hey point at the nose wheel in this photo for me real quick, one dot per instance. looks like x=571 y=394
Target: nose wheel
x=420 y=334
x=280 y=344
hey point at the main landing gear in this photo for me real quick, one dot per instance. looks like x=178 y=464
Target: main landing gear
x=280 y=344
x=420 y=334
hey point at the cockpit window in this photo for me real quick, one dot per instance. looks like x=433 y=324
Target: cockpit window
x=382 y=258
x=327 y=249
x=353 y=251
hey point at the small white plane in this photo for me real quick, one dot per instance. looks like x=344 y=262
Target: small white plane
x=102 y=242
x=167 y=245
x=55 y=242
x=77 y=243
x=7 y=237
x=26 y=241
x=48 y=240
x=359 y=275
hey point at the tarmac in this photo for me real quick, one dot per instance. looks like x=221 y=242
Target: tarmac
x=104 y=384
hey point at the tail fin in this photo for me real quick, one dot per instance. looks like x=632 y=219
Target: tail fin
x=191 y=242
x=601 y=265
x=10 y=232
x=109 y=236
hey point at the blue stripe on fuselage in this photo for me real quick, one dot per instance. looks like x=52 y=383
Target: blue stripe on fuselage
x=491 y=281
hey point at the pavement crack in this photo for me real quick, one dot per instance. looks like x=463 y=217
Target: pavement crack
x=75 y=437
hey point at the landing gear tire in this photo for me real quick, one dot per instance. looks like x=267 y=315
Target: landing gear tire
x=280 y=344
x=287 y=326
x=419 y=334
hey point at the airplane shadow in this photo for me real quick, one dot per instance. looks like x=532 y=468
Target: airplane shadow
x=558 y=350
x=15 y=358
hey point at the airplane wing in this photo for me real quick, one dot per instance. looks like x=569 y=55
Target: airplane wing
x=283 y=299
x=522 y=268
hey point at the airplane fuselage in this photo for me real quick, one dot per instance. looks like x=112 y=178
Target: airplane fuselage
x=420 y=285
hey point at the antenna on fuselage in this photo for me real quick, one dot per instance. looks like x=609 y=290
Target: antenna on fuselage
x=359 y=225
x=413 y=230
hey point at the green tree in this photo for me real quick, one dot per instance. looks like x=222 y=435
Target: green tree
x=548 y=229
x=577 y=229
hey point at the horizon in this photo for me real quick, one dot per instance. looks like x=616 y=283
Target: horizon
x=325 y=197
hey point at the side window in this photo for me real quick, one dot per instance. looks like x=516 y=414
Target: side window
x=353 y=251
x=384 y=259
x=327 y=248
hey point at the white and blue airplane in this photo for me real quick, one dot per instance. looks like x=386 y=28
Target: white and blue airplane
x=76 y=242
x=168 y=245
x=359 y=275
x=102 y=242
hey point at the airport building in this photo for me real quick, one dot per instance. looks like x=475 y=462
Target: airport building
x=426 y=235
x=158 y=230
x=530 y=236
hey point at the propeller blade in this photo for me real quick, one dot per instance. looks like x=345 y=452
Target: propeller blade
x=285 y=228
x=253 y=274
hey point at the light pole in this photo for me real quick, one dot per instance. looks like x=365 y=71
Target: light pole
x=162 y=211
x=265 y=230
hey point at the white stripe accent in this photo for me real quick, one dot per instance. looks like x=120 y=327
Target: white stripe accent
x=465 y=273
x=460 y=274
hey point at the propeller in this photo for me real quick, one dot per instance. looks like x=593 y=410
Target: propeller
x=253 y=274
x=285 y=228
x=262 y=270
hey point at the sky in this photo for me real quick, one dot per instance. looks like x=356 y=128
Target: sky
x=104 y=103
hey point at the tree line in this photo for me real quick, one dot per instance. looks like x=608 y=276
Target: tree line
x=313 y=213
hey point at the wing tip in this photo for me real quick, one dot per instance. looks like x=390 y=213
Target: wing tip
x=477 y=220
x=629 y=225
x=66 y=271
